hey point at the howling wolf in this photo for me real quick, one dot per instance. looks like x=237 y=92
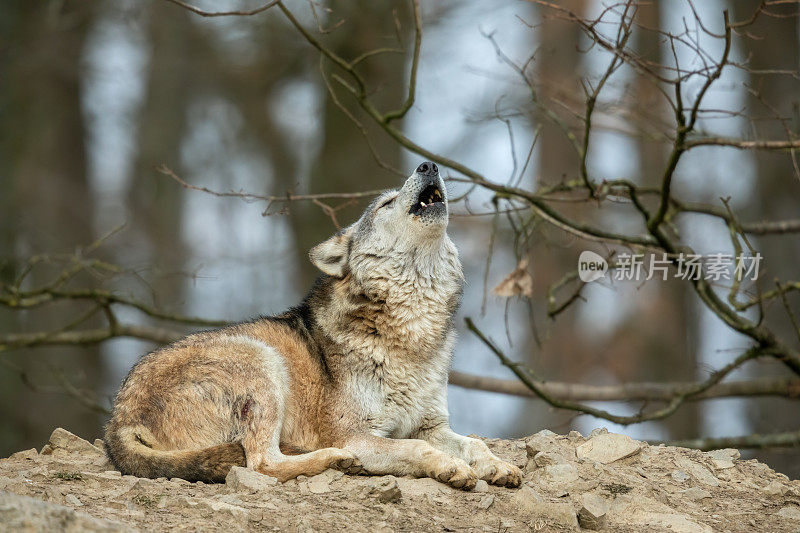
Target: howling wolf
x=354 y=378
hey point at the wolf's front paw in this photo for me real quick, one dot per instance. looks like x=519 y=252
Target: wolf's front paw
x=498 y=472
x=457 y=475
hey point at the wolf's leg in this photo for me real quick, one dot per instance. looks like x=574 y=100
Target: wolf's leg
x=261 y=444
x=410 y=457
x=285 y=467
x=484 y=463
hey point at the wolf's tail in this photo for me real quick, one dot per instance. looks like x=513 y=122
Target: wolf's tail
x=131 y=451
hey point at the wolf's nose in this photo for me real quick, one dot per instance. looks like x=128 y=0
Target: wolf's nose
x=427 y=169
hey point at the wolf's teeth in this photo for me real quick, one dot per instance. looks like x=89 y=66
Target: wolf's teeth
x=422 y=204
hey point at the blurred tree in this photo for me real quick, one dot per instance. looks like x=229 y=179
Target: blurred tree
x=367 y=25
x=46 y=202
x=773 y=106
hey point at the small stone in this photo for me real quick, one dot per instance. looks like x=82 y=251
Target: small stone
x=561 y=474
x=222 y=507
x=592 y=514
x=98 y=443
x=556 y=514
x=46 y=450
x=792 y=512
x=526 y=498
x=598 y=431
x=607 y=448
x=696 y=493
x=730 y=454
x=25 y=454
x=241 y=479
x=548 y=458
x=486 y=502
x=680 y=476
x=145 y=484
x=22 y=513
x=386 y=490
x=696 y=470
x=111 y=475
x=723 y=459
x=775 y=489
x=72 y=500
x=640 y=513
x=540 y=443
x=319 y=484
x=481 y=486
x=63 y=439
x=575 y=436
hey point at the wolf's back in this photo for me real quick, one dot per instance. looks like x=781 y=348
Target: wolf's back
x=130 y=450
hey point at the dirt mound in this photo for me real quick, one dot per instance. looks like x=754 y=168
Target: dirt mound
x=603 y=481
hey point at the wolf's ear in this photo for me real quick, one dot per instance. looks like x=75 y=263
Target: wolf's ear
x=331 y=256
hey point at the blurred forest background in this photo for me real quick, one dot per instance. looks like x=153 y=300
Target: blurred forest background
x=95 y=96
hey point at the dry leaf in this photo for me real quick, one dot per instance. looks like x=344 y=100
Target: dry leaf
x=518 y=283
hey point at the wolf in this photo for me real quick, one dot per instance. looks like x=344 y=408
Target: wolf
x=354 y=378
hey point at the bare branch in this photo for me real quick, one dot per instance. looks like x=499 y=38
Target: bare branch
x=202 y=13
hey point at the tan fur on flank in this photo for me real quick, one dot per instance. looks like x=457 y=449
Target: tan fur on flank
x=354 y=378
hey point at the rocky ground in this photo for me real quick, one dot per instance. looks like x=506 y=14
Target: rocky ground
x=604 y=481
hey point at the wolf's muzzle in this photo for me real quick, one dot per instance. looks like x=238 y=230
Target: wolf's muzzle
x=428 y=168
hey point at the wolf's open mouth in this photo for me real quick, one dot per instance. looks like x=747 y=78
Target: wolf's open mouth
x=430 y=196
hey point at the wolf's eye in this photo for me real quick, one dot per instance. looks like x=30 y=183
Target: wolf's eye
x=387 y=203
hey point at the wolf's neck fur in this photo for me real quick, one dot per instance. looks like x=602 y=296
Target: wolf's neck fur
x=401 y=310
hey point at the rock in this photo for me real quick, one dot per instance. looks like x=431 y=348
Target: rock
x=241 y=479
x=723 y=459
x=560 y=515
x=25 y=454
x=73 y=500
x=21 y=513
x=696 y=493
x=680 y=476
x=544 y=441
x=774 y=489
x=486 y=502
x=792 y=512
x=592 y=514
x=606 y=448
x=46 y=450
x=214 y=505
x=416 y=488
x=332 y=475
x=562 y=474
x=574 y=436
x=320 y=484
x=63 y=439
x=641 y=513
x=386 y=490
x=696 y=470
x=526 y=498
x=598 y=431
x=110 y=475
x=481 y=486
x=548 y=458
x=146 y=485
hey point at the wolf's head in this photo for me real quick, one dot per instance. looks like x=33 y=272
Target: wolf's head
x=401 y=229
